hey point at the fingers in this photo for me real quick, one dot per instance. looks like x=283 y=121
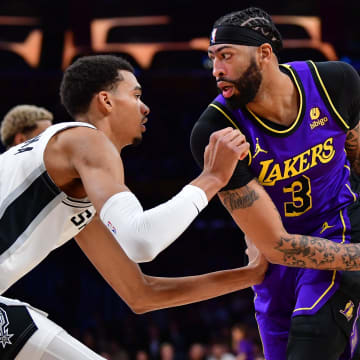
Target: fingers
x=236 y=137
x=215 y=136
x=238 y=141
x=233 y=135
x=252 y=251
x=244 y=150
x=229 y=136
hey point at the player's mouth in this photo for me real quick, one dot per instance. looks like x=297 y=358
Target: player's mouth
x=227 y=89
x=142 y=124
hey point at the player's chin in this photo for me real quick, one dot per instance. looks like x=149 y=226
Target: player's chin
x=137 y=140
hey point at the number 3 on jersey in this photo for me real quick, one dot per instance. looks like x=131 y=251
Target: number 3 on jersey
x=301 y=202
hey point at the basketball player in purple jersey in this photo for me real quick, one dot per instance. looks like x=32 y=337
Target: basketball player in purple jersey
x=301 y=120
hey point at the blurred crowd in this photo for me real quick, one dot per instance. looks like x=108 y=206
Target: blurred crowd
x=201 y=333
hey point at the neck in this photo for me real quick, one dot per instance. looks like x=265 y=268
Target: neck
x=103 y=125
x=277 y=99
x=85 y=118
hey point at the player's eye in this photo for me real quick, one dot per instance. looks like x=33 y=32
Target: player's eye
x=226 y=56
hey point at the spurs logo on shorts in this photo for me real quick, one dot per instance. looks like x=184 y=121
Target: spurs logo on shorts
x=4 y=323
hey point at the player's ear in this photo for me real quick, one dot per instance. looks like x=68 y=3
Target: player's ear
x=104 y=102
x=19 y=138
x=264 y=53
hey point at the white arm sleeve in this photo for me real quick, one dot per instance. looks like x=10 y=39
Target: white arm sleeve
x=144 y=234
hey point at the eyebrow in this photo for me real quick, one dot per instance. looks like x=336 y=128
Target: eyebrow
x=219 y=49
x=138 y=87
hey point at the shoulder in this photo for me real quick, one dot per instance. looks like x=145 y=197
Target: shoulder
x=342 y=83
x=335 y=73
x=334 y=66
x=213 y=118
x=83 y=139
x=81 y=145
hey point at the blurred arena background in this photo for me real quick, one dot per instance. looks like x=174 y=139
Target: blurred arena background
x=166 y=41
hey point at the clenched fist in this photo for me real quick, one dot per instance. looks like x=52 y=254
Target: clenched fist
x=226 y=147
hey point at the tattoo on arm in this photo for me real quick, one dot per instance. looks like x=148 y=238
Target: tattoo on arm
x=239 y=199
x=317 y=253
x=352 y=146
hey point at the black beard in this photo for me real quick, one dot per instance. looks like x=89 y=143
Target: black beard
x=247 y=85
x=137 y=141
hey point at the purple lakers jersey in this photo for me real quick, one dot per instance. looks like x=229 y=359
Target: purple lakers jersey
x=305 y=171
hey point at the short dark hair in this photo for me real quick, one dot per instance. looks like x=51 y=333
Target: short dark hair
x=255 y=19
x=87 y=76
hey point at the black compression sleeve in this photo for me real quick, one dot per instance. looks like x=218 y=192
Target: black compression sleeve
x=212 y=120
x=343 y=85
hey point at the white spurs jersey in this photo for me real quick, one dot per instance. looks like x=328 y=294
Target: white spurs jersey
x=35 y=215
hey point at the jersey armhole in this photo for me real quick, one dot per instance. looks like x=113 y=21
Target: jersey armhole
x=227 y=114
x=326 y=97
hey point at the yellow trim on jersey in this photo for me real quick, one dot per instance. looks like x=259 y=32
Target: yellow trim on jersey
x=225 y=114
x=299 y=112
x=334 y=272
x=344 y=226
x=231 y=120
x=348 y=167
x=328 y=97
x=351 y=191
x=319 y=299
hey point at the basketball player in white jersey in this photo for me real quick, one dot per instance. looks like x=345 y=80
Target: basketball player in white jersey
x=69 y=182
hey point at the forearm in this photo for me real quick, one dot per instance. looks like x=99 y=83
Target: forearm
x=257 y=216
x=144 y=234
x=170 y=292
x=316 y=253
x=303 y=251
x=144 y=293
x=209 y=184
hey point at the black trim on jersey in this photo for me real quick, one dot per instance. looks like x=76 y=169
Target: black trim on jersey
x=49 y=183
x=21 y=326
x=324 y=97
x=77 y=203
x=68 y=201
x=85 y=206
x=24 y=209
